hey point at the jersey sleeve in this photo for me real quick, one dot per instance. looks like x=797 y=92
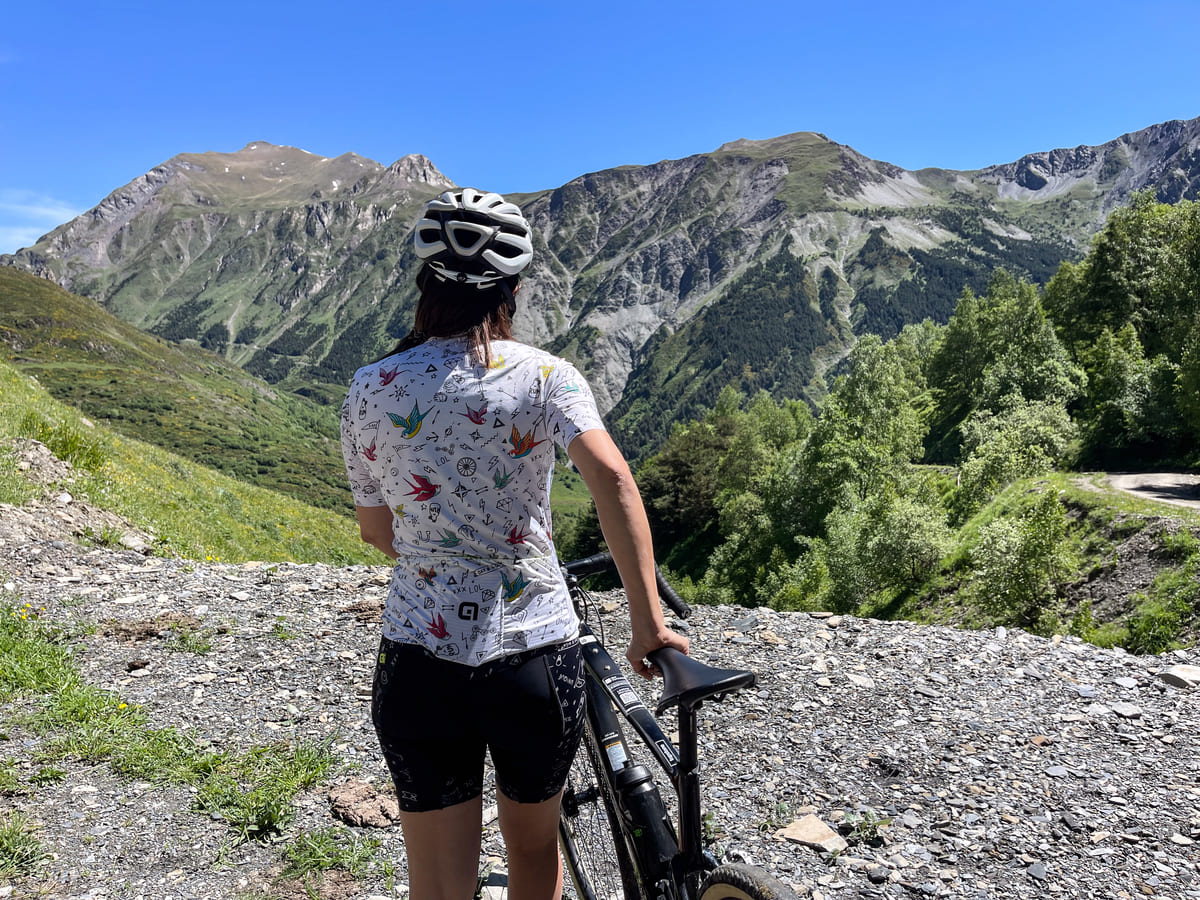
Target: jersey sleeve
x=570 y=405
x=363 y=485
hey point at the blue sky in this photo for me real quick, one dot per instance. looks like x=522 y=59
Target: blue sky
x=520 y=96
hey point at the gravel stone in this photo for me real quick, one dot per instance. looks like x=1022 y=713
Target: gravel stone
x=1036 y=764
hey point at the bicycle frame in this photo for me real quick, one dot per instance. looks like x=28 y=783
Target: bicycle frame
x=673 y=863
x=627 y=843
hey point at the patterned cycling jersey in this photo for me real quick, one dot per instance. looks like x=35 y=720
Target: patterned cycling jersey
x=463 y=455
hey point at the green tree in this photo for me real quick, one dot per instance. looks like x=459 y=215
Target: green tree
x=1127 y=313
x=884 y=542
x=869 y=432
x=1021 y=439
x=1143 y=269
x=1188 y=383
x=706 y=466
x=1111 y=415
x=863 y=444
x=995 y=347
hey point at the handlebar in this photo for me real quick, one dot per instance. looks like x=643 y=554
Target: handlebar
x=603 y=562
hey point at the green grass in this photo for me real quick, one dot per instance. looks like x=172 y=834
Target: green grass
x=252 y=791
x=14 y=487
x=10 y=779
x=176 y=396
x=329 y=848
x=20 y=850
x=68 y=440
x=33 y=662
x=186 y=639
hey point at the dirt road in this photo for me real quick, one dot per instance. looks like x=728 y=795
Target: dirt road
x=1166 y=487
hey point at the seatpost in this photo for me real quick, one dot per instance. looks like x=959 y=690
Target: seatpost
x=689 y=786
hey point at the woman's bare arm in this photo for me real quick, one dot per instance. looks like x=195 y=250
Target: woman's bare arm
x=627 y=533
x=375 y=527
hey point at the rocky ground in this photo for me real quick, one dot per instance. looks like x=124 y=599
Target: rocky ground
x=874 y=759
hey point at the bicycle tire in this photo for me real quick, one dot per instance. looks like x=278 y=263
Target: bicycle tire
x=588 y=821
x=736 y=881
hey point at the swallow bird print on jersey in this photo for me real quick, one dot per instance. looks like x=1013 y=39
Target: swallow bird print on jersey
x=497 y=363
x=546 y=370
x=369 y=452
x=422 y=488
x=387 y=376
x=513 y=589
x=438 y=627
x=410 y=423
x=523 y=444
x=502 y=478
x=427 y=574
x=448 y=539
x=476 y=415
x=516 y=536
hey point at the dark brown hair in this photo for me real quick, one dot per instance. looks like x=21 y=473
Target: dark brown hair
x=449 y=309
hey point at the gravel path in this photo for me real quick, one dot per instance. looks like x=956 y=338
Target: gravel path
x=976 y=764
x=1167 y=487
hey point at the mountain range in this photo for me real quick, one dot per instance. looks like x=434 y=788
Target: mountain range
x=755 y=265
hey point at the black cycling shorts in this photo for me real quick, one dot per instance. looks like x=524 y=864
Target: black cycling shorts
x=435 y=718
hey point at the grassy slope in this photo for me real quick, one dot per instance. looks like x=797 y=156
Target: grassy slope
x=1095 y=561
x=194 y=512
x=173 y=395
x=148 y=396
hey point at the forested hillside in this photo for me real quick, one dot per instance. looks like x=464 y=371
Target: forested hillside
x=934 y=479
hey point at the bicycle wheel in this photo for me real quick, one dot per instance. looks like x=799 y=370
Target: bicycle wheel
x=741 y=882
x=594 y=847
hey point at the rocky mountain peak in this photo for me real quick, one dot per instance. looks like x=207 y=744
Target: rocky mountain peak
x=775 y=144
x=1163 y=157
x=416 y=168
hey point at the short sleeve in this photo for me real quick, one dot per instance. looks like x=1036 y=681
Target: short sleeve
x=363 y=485
x=570 y=405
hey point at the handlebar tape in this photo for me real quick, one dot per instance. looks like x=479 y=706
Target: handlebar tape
x=603 y=562
x=678 y=605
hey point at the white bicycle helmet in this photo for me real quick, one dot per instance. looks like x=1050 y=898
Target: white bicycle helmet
x=473 y=237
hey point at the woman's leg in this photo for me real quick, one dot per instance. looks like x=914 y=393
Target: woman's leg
x=443 y=850
x=533 y=731
x=531 y=838
x=426 y=722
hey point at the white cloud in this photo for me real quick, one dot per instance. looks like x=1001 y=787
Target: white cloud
x=14 y=237
x=26 y=215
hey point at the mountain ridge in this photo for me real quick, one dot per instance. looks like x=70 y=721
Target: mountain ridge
x=300 y=276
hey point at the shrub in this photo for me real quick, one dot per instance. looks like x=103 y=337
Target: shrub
x=1017 y=560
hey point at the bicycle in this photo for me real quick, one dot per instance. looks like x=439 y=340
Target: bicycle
x=616 y=834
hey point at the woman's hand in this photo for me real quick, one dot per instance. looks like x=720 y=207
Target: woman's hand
x=641 y=645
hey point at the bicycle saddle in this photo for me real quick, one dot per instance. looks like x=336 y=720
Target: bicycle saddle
x=687 y=681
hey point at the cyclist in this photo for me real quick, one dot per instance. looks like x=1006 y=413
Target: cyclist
x=449 y=444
